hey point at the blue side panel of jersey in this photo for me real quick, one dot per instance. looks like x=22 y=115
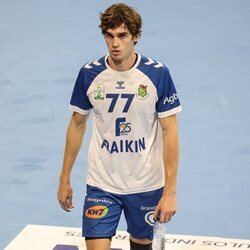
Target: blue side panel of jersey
x=85 y=77
x=161 y=78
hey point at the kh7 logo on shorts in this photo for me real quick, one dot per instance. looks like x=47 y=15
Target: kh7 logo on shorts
x=96 y=212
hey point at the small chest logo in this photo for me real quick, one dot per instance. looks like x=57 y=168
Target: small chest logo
x=120 y=85
x=122 y=127
x=99 y=92
x=142 y=91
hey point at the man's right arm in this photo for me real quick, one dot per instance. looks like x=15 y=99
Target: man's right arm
x=75 y=133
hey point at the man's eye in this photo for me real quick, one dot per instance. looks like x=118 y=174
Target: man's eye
x=123 y=36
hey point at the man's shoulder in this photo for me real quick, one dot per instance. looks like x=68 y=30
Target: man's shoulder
x=149 y=64
x=89 y=71
x=153 y=69
x=96 y=66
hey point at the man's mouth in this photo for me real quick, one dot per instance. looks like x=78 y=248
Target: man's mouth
x=115 y=52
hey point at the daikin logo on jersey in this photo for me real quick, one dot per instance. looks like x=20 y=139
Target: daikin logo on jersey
x=123 y=128
x=124 y=146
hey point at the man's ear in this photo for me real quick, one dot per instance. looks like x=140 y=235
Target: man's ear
x=136 y=38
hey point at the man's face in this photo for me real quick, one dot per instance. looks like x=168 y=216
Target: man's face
x=120 y=43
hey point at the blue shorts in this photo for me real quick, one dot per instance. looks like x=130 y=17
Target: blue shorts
x=102 y=211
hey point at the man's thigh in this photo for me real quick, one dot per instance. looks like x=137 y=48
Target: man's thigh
x=139 y=213
x=101 y=214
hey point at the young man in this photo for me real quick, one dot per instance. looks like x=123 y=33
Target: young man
x=133 y=153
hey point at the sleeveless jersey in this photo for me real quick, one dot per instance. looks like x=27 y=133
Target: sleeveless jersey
x=125 y=152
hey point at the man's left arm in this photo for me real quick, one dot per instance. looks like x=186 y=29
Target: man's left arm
x=166 y=207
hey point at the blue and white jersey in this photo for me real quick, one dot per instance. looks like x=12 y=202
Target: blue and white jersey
x=125 y=152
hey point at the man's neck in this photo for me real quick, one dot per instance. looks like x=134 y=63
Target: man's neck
x=122 y=65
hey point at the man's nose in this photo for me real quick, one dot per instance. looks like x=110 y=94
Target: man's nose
x=115 y=42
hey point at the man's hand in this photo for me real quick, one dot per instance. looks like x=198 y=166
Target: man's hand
x=64 y=195
x=166 y=208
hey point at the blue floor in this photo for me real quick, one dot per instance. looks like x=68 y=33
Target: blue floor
x=205 y=44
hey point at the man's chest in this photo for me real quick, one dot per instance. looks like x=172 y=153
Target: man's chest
x=122 y=95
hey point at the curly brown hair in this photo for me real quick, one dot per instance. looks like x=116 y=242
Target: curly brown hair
x=118 y=14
